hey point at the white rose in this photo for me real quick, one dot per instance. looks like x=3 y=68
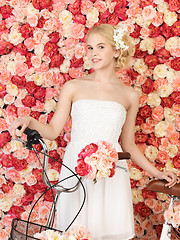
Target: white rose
x=153 y=99
x=18 y=190
x=160 y=129
x=140 y=66
x=37 y=78
x=50 y=105
x=135 y=173
x=52 y=174
x=169 y=166
x=162 y=7
x=6 y=203
x=11 y=67
x=51 y=145
x=172 y=150
x=172 y=43
x=165 y=90
x=1 y=103
x=160 y=71
x=30 y=10
x=142 y=22
x=65 y=17
x=171 y=74
x=137 y=195
x=12 y=89
x=169 y=115
x=93 y=15
x=87 y=64
x=151 y=153
x=15 y=37
x=170 y=17
x=64 y=68
x=147 y=45
x=39 y=50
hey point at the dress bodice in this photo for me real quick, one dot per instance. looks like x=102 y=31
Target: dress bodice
x=95 y=120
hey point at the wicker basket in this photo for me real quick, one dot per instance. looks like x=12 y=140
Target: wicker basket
x=24 y=230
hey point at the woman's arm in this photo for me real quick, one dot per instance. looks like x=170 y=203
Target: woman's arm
x=128 y=144
x=53 y=129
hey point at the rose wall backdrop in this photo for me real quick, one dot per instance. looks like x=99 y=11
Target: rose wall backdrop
x=42 y=46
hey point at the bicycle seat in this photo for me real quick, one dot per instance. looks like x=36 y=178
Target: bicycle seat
x=159 y=186
x=123 y=155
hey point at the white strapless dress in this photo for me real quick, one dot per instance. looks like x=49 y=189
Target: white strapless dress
x=108 y=211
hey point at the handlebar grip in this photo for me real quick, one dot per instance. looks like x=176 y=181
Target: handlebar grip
x=123 y=155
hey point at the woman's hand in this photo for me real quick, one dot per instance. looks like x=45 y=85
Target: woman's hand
x=170 y=177
x=22 y=122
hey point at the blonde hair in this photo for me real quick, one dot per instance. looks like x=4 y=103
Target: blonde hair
x=107 y=31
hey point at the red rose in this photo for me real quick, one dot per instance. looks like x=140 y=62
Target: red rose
x=166 y=102
x=104 y=16
x=151 y=61
x=158 y=229
x=54 y=37
x=142 y=209
x=6 y=160
x=146 y=193
x=175 y=63
x=38 y=174
x=42 y=4
x=19 y=164
x=75 y=8
x=144 y=3
x=40 y=93
x=176 y=28
x=163 y=55
x=35 y=114
x=147 y=87
x=27 y=199
x=31 y=87
x=5 y=47
x=138 y=53
x=140 y=137
x=18 y=81
x=8 y=186
x=76 y=62
x=176 y=161
x=2 y=90
x=154 y=31
x=56 y=166
x=56 y=60
x=132 y=74
x=4 y=138
x=133 y=183
x=50 y=49
x=26 y=30
x=121 y=12
x=60 y=141
x=174 y=6
x=54 y=154
x=166 y=30
x=145 y=111
x=113 y=19
x=6 y=11
x=40 y=186
x=136 y=32
x=139 y=120
x=28 y=59
x=29 y=101
x=175 y=97
x=153 y=140
x=16 y=211
x=49 y=117
x=48 y=196
x=112 y=170
x=88 y=150
x=82 y=168
x=11 y=110
x=41 y=22
x=67 y=77
x=160 y=166
x=21 y=48
x=3 y=26
x=38 y=146
x=79 y=18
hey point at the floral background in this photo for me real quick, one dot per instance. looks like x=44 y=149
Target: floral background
x=42 y=46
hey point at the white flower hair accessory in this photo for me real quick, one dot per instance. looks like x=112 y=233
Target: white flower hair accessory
x=118 y=35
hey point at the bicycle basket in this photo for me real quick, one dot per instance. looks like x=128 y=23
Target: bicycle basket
x=24 y=230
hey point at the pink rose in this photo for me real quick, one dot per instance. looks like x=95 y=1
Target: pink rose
x=13 y=175
x=4 y=138
x=11 y=110
x=77 y=30
x=21 y=68
x=79 y=18
x=2 y=90
x=76 y=72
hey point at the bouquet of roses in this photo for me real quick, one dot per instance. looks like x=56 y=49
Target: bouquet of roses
x=77 y=232
x=97 y=161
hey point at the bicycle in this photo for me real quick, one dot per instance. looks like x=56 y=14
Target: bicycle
x=25 y=230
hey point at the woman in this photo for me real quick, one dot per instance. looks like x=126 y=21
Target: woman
x=102 y=108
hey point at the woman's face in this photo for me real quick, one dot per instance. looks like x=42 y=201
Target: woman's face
x=100 y=52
